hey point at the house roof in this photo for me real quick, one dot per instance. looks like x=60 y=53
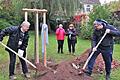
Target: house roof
x=90 y=1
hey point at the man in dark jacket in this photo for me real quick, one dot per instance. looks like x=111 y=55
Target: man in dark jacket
x=106 y=46
x=18 y=41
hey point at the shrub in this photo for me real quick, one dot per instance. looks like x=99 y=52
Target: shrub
x=99 y=12
x=4 y=24
x=86 y=31
x=116 y=23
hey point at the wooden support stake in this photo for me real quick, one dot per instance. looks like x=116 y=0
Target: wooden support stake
x=26 y=16
x=37 y=39
x=44 y=22
x=44 y=18
x=45 y=64
x=37 y=11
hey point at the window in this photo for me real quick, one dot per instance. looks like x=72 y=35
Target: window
x=88 y=8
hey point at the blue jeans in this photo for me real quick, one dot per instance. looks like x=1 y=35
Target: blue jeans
x=107 y=57
x=12 y=64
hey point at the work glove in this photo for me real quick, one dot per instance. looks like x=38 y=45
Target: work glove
x=20 y=52
x=94 y=49
x=107 y=31
x=20 y=43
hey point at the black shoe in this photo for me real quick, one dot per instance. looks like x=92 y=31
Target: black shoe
x=70 y=52
x=61 y=51
x=88 y=73
x=107 y=77
x=27 y=75
x=73 y=54
x=58 y=52
x=12 y=77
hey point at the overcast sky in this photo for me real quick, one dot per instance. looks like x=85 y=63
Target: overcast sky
x=106 y=1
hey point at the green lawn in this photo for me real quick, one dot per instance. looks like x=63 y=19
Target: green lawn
x=81 y=46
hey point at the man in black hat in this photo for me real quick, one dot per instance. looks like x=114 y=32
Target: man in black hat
x=105 y=48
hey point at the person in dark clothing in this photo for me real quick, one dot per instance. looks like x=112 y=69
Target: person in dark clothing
x=72 y=40
x=106 y=46
x=18 y=41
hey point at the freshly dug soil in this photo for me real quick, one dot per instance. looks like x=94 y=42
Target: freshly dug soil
x=66 y=71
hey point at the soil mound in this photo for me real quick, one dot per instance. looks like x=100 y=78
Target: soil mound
x=66 y=71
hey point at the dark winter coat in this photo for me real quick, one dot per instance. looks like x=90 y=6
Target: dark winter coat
x=14 y=35
x=71 y=33
x=108 y=41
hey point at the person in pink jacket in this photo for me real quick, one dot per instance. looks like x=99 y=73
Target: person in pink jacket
x=60 y=35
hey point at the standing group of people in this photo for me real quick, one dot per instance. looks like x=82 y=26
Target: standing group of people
x=71 y=38
x=105 y=48
x=18 y=41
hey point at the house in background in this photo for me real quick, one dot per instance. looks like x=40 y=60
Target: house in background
x=88 y=5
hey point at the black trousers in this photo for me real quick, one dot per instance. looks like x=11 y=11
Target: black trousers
x=107 y=57
x=71 y=45
x=60 y=45
x=12 y=63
